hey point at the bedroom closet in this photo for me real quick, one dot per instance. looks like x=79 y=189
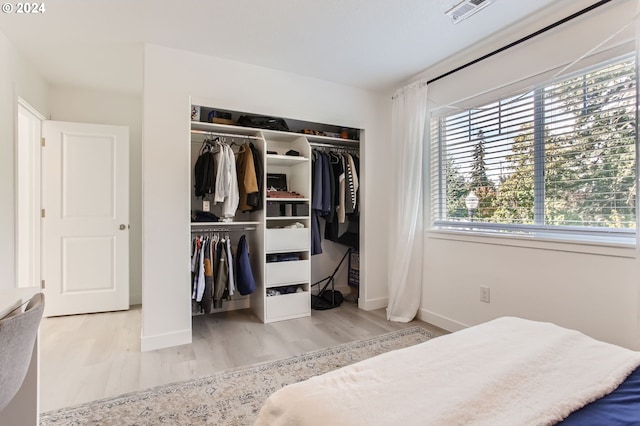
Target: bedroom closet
x=252 y=200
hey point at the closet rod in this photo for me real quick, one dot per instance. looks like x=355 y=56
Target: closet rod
x=229 y=135
x=223 y=229
x=522 y=40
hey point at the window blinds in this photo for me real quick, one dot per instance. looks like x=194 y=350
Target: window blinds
x=559 y=156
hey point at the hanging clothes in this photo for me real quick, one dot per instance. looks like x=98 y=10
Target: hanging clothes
x=356 y=161
x=205 y=170
x=231 y=284
x=199 y=286
x=207 y=296
x=259 y=171
x=341 y=192
x=223 y=176
x=219 y=273
x=195 y=267
x=227 y=191
x=244 y=275
x=317 y=181
x=331 y=227
x=335 y=194
x=222 y=275
x=247 y=179
x=351 y=186
x=326 y=184
x=318 y=204
x=332 y=189
x=316 y=242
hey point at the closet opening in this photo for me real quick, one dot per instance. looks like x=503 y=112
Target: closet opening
x=291 y=196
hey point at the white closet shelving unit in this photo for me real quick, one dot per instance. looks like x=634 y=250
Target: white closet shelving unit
x=293 y=274
x=274 y=234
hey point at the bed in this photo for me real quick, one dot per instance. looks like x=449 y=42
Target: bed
x=508 y=371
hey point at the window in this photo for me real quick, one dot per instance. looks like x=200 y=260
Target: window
x=559 y=158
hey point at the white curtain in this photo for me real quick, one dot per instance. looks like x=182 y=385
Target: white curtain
x=409 y=119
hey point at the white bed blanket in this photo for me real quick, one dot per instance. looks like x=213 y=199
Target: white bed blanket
x=508 y=371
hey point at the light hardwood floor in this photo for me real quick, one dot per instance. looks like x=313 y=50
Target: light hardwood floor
x=89 y=357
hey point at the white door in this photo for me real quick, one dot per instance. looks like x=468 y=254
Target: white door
x=85 y=201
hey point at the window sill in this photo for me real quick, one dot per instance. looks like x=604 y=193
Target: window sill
x=561 y=243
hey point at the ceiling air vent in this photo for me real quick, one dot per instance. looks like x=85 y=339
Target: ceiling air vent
x=466 y=8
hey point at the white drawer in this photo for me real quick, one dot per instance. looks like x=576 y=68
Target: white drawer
x=293 y=272
x=278 y=240
x=286 y=306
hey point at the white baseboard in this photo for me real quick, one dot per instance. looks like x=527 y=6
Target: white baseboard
x=440 y=321
x=166 y=340
x=370 y=305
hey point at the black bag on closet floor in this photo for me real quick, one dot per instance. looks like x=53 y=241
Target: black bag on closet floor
x=323 y=302
x=263 y=122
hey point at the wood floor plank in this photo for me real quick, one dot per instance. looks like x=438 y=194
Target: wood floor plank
x=94 y=356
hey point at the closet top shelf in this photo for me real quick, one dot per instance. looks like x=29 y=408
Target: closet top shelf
x=250 y=131
x=224 y=128
x=329 y=139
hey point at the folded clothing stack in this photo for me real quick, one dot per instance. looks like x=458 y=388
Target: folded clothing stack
x=283 y=257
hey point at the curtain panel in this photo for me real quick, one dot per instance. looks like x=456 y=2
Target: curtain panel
x=408 y=126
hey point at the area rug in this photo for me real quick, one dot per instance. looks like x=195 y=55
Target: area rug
x=231 y=397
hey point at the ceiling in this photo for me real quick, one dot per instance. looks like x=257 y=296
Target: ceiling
x=372 y=44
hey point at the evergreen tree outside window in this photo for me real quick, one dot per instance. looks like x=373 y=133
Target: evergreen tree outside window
x=559 y=158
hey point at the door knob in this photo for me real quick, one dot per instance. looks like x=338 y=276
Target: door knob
x=123 y=226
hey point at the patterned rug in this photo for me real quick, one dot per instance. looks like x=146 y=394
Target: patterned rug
x=231 y=397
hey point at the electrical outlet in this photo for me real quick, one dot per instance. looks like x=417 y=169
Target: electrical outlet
x=206 y=206
x=485 y=295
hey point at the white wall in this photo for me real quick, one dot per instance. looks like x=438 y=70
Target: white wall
x=18 y=78
x=100 y=107
x=170 y=78
x=592 y=289
x=594 y=293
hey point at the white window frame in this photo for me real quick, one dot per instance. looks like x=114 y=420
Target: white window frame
x=621 y=237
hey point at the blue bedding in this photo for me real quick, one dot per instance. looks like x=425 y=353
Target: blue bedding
x=620 y=407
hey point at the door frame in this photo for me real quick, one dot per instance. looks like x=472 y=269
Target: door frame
x=27 y=175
